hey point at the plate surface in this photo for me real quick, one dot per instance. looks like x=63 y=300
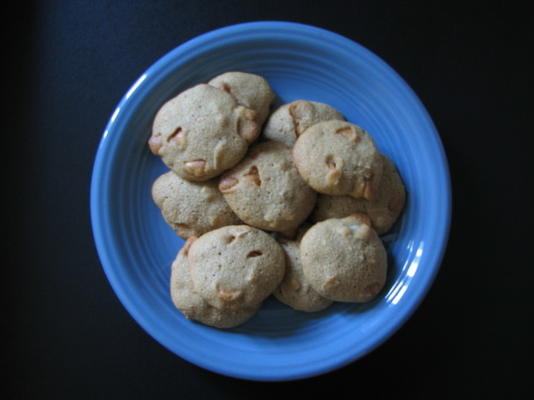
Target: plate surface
x=136 y=248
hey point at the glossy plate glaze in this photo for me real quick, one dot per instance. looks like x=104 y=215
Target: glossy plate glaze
x=301 y=62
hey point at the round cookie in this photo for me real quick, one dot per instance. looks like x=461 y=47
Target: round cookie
x=202 y=132
x=383 y=210
x=344 y=259
x=294 y=290
x=249 y=90
x=236 y=266
x=288 y=121
x=191 y=208
x=195 y=307
x=339 y=158
x=265 y=189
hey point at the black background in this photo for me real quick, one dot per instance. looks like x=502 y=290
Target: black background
x=69 y=63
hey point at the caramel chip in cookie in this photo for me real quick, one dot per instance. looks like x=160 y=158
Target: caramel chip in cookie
x=339 y=158
x=191 y=208
x=294 y=290
x=249 y=90
x=288 y=121
x=236 y=267
x=383 y=210
x=202 y=132
x=195 y=307
x=265 y=189
x=344 y=259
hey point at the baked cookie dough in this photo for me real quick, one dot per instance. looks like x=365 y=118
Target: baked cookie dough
x=295 y=291
x=202 y=132
x=288 y=121
x=339 y=158
x=236 y=267
x=195 y=307
x=191 y=208
x=383 y=210
x=265 y=189
x=249 y=90
x=344 y=259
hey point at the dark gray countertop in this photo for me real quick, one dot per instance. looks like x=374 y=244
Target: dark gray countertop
x=69 y=63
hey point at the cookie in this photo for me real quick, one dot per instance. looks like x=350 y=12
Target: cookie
x=294 y=290
x=195 y=307
x=344 y=259
x=339 y=158
x=249 y=90
x=202 y=132
x=288 y=121
x=383 y=210
x=265 y=189
x=191 y=208
x=236 y=266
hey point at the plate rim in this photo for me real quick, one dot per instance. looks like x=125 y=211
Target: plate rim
x=98 y=173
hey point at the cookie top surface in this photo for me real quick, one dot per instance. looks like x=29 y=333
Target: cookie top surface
x=339 y=158
x=249 y=90
x=294 y=290
x=383 y=210
x=236 y=266
x=202 y=132
x=288 y=121
x=191 y=208
x=344 y=259
x=265 y=189
x=195 y=307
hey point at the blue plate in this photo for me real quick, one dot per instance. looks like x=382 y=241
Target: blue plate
x=301 y=62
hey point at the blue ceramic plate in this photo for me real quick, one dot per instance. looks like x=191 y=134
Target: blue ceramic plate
x=136 y=248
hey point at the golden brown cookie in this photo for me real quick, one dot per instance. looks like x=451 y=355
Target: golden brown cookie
x=265 y=189
x=383 y=210
x=344 y=259
x=236 y=267
x=195 y=307
x=294 y=290
x=202 y=132
x=288 y=121
x=191 y=208
x=249 y=90
x=339 y=158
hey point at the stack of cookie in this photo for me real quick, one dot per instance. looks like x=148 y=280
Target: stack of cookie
x=294 y=209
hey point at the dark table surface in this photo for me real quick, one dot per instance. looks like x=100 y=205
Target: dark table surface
x=69 y=63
